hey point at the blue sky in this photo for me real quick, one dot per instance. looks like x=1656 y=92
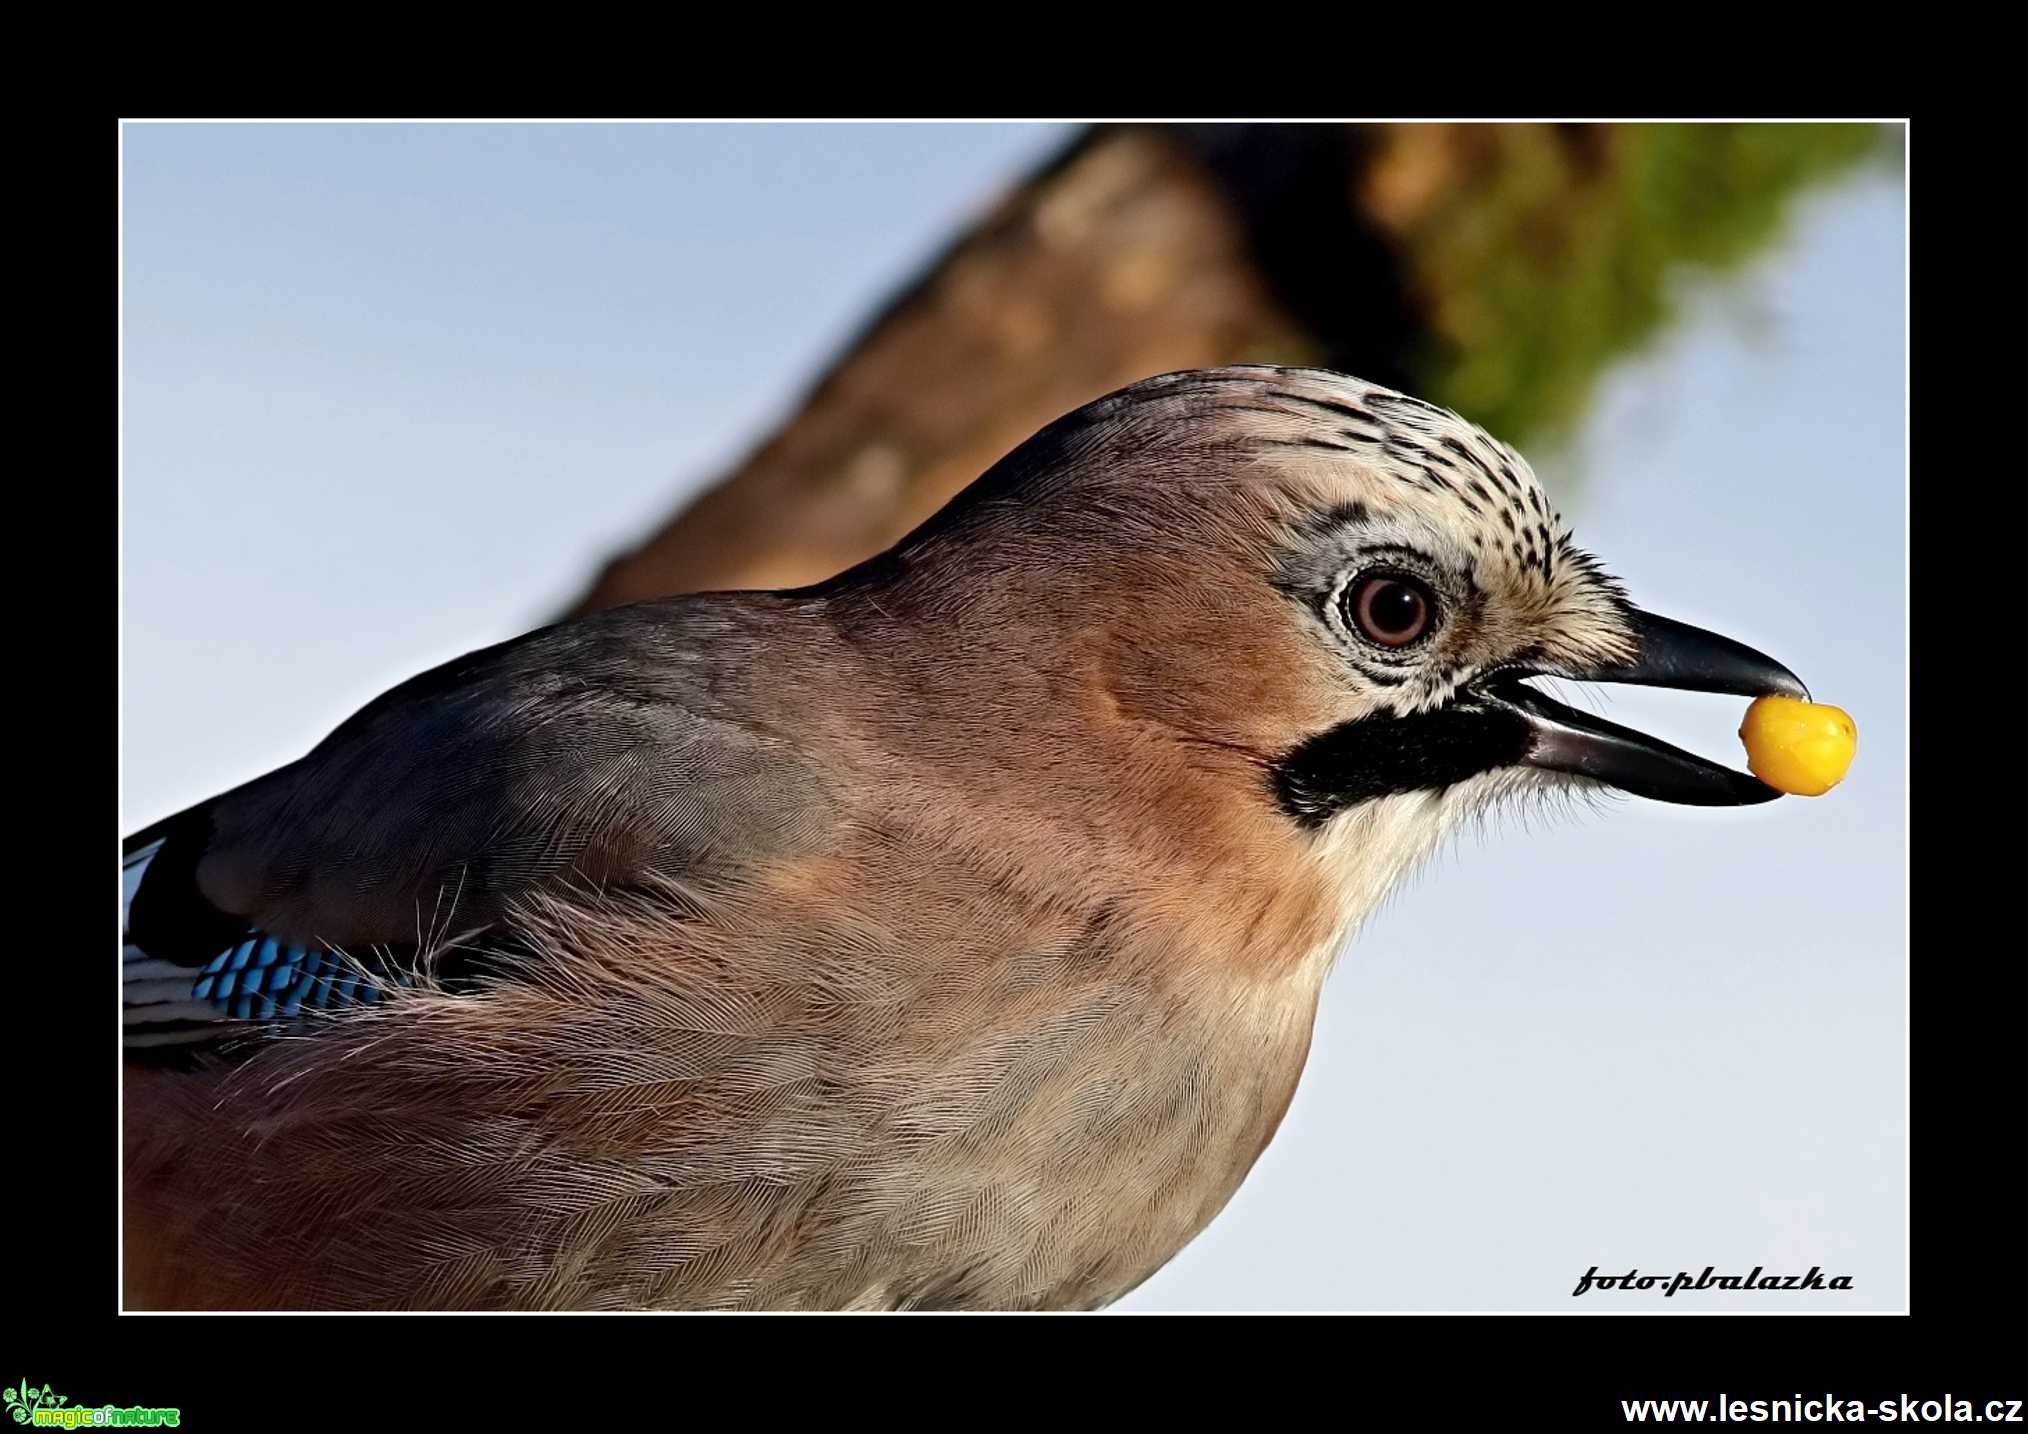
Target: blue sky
x=393 y=392
x=403 y=387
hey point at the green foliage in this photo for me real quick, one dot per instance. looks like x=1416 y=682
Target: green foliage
x=1558 y=255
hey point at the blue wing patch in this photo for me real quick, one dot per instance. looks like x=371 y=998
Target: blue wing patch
x=260 y=978
x=263 y=979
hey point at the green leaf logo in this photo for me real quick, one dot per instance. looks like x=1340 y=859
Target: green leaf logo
x=25 y=1399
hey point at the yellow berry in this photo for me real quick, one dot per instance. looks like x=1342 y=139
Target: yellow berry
x=1801 y=748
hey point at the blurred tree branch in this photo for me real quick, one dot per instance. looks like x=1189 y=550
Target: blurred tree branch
x=1492 y=268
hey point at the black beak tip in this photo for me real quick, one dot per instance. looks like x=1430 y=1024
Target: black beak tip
x=1675 y=654
x=1749 y=791
x=1783 y=683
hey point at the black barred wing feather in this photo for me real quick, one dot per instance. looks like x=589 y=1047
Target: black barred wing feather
x=261 y=978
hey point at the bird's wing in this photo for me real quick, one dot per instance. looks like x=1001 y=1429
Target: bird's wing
x=593 y=754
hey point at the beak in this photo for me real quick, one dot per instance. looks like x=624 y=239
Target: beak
x=1672 y=654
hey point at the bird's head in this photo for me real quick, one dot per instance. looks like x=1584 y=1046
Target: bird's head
x=1347 y=586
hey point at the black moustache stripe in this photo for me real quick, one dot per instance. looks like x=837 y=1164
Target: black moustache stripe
x=1381 y=756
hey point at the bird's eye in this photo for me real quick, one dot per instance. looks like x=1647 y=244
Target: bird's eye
x=1390 y=609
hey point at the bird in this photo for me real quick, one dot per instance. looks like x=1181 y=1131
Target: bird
x=947 y=934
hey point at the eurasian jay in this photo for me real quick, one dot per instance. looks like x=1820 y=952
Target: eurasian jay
x=945 y=935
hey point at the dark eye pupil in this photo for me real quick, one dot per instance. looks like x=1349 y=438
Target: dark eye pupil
x=1390 y=610
x=1395 y=608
